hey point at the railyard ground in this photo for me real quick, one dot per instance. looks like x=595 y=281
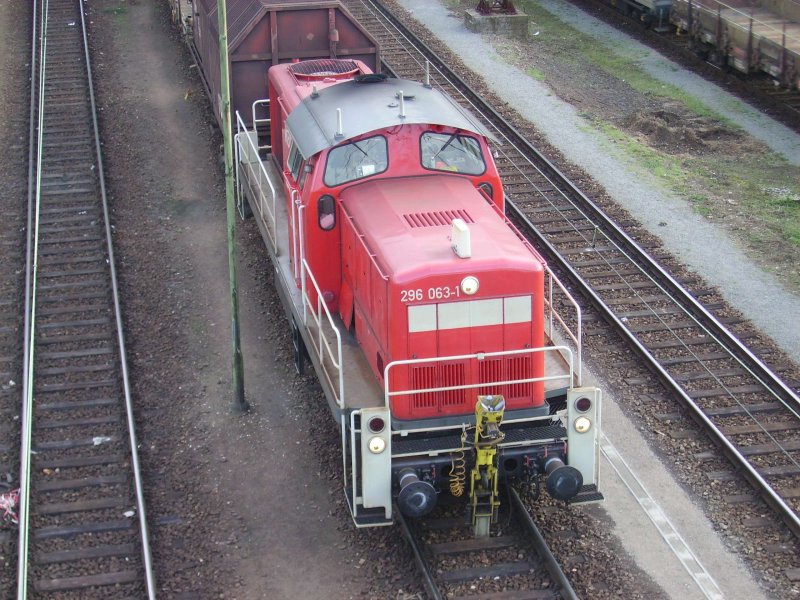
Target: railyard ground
x=250 y=506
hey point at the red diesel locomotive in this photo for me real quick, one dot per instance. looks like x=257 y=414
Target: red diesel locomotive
x=424 y=312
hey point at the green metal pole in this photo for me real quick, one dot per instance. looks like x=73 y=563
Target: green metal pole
x=239 y=402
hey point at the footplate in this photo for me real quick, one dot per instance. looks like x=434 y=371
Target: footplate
x=588 y=494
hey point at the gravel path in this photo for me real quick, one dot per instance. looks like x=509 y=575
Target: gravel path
x=746 y=286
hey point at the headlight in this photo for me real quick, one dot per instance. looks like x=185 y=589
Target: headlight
x=377 y=445
x=582 y=424
x=469 y=285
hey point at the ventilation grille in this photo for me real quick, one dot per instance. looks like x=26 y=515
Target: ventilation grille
x=436 y=219
x=436 y=376
x=508 y=369
x=323 y=68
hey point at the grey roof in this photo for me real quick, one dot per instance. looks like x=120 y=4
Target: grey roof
x=371 y=106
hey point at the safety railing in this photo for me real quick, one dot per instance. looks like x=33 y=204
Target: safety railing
x=266 y=148
x=563 y=351
x=259 y=186
x=367 y=250
x=297 y=246
x=324 y=345
x=553 y=316
x=354 y=433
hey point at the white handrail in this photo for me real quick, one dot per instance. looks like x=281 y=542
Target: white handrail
x=247 y=157
x=323 y=346
x=364 y=244
x=576 y=337
x=562 y=350
x=256 y=121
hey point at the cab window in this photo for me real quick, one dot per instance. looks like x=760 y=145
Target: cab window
x=295 y=161
x=451 y=152
x=356 y=160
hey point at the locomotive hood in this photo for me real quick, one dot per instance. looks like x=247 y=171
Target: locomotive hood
x=406 y=223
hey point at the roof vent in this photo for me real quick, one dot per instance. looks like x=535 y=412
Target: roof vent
x=317 y=69
x=437 y=218
x=460 y=239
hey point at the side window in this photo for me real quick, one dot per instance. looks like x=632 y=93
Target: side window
x=294 y=162
x=356 y=160
x=451 y=152
x=305 y=169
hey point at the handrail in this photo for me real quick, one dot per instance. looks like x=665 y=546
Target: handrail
x=251 y=151
x=364 y=244
x=562 y=350
x=256 y=121
x=577 y=337
x=293 y=220
x=323 y=346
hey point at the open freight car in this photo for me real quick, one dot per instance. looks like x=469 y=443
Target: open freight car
x=262 y=33
x=746 y=35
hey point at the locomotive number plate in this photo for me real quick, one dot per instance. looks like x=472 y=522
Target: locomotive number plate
x=434 y=293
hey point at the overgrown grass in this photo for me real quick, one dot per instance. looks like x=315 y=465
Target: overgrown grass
x=576 y=46
x=116 y=10
x=763 y=189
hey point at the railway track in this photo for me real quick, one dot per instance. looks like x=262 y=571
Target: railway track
x=82 y=529
x=741 y=404
x=513 y=564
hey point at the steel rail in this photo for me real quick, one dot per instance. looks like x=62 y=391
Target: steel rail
x=34 y=201
x=630 y=249
x=123 y=359
x=785 y=511
x=416 y=549
x=539 y=543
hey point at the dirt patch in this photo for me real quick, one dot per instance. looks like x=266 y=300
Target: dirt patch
x=677 y=131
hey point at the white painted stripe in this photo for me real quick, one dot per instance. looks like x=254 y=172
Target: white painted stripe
x=674 y=540
x=421 y=317
x=485 y=312
x=517 y=309
x=469 y=313
x=454 y=315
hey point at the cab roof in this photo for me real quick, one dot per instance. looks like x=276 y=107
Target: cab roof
x=370 y=107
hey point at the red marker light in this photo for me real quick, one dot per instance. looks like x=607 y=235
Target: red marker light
x=376 y=424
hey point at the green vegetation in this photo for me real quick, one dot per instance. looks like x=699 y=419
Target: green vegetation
x=763 y=189
x=535 y=73
x=116 y=10
x=578 y=47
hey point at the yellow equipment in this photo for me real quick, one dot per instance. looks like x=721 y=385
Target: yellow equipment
x=483 y=482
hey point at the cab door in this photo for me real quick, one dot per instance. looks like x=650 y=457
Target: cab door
x=291 y=178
